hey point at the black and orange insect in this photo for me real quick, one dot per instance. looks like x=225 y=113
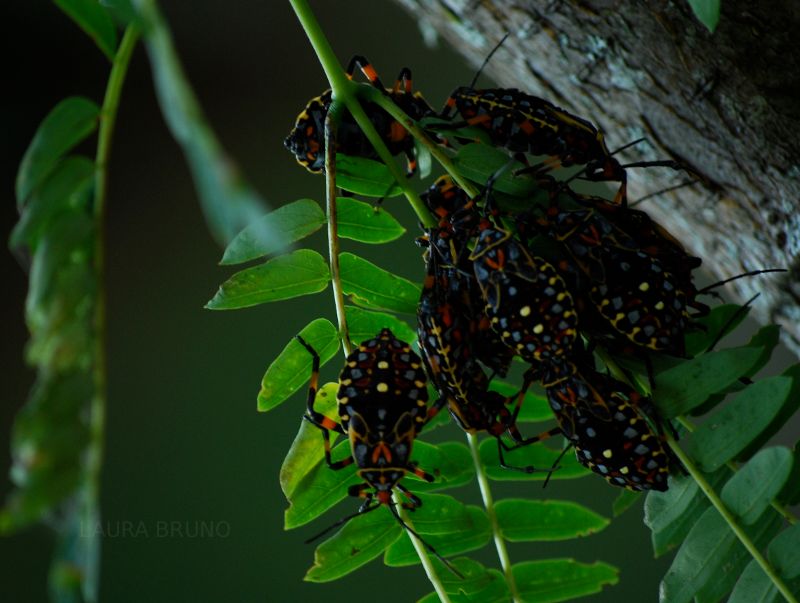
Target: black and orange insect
x=616 y=432
x=382 y=405
x=306 y=141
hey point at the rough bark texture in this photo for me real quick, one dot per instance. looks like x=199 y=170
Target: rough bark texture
x=726 y=104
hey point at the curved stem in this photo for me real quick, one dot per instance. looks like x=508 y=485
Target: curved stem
x=729 y=518
x=331 y=121
x=108 y=115
x=488 y=502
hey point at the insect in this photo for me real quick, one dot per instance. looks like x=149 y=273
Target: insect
x=306 y=141
x=382 y=406
x=616 y=432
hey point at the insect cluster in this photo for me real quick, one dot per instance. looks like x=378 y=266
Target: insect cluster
x=550 y=284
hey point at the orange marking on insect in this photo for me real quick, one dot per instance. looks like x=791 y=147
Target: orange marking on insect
x=382 y=451
x=527 y=127
x=369 y=72
x=479 y=119
x=329 y=423
x=397 y=132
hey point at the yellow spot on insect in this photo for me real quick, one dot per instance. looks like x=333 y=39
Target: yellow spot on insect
x=659 y=306
x=346 y=381
x=419 y=383
x=344 y=400
x=624 y=470
x=619 y=316
x=525 y=311
x=506 y=334
x=645 y=286
x=352 y=363
x=607 y=453
x=538 y=328
x=383 y=388
x=345 y=417
x=561 y=296
x=495 y=320
x=552 y=280
x=420 y=402
x=383 y=364
x=415 y=365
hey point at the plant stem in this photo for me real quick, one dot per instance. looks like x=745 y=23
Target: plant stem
x=787 y=514
x=729 y=518
x=331 y=121
x=108 y=115
x=345 y=91
x=488 y=502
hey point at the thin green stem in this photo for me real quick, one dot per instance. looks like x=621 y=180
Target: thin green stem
x=331 y=121
x=488 y=503
x=787 y=514
x=730 y=519
x=108 y=115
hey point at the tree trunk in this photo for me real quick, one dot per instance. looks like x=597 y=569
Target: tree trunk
x=726 y=104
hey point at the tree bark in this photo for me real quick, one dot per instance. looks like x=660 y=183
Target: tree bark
x=725 y=104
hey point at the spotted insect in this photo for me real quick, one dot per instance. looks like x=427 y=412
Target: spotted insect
x=526 y=300
x=616 y=432
x=307 y=139
x=382 y=406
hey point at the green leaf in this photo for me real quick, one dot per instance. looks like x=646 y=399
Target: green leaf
x=307 y=449
x=358 y=542
x=365 y=222
x=449 y=526
x=753 y=586
x=300 y=272
x=624 y=501
x=784 y=552
x=790 y=495
x=552 y=580
x=726 y=316
x=687 y=385
x=365 y=177
x=295 y=221
x=424 y=159
x=535 y=409
x=542 y=520
x=751 y=490
x=730 y=431
x=228 y=202
x=711 y=554
x=70 y=122
x=376 y=288
x=478 y=584
x=449 y=462
x=479 y=161
x=66 y=187
x=671 y=514
x=93 y=19
x=707 y=12
x=292 y=368
x=536 y=455
x=364 y=324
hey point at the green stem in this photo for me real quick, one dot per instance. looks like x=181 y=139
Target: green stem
x=729 y=518
x=488 y=502
x=108 y=115
x=787 y=514
x=331 y=121
x=346 y=92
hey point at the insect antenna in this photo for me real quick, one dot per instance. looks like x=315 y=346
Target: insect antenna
x=486 y=61
x=738 y=276
x=361 y=511
x=430 y=549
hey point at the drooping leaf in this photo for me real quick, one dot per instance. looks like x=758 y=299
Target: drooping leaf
x=711 y=554
x=300 y=272
x=70 y=122
x=375 y=288
x=295 y=221
x=542 y=520
x=707 y=12
x=689 y=384
x=624 y=501
x=292 y=368
x=365 y=177
x=424 y=159
x=307 y=449
x=552 y=580
x=751 y=490
x=477 y=584
x=479 y=161
x=92 y=18
x=365 y=324
x=721 y=318
x=366 y=223
x=448 y=525
x=358 y=542
x=66 y=187
x=320 y=489
x=535 y=409
x=538 y=456
x=784 y=552
x=449 y=462
x=228 y=202
x=730 y=431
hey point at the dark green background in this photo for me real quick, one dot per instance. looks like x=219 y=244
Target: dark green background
x=184 y=440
